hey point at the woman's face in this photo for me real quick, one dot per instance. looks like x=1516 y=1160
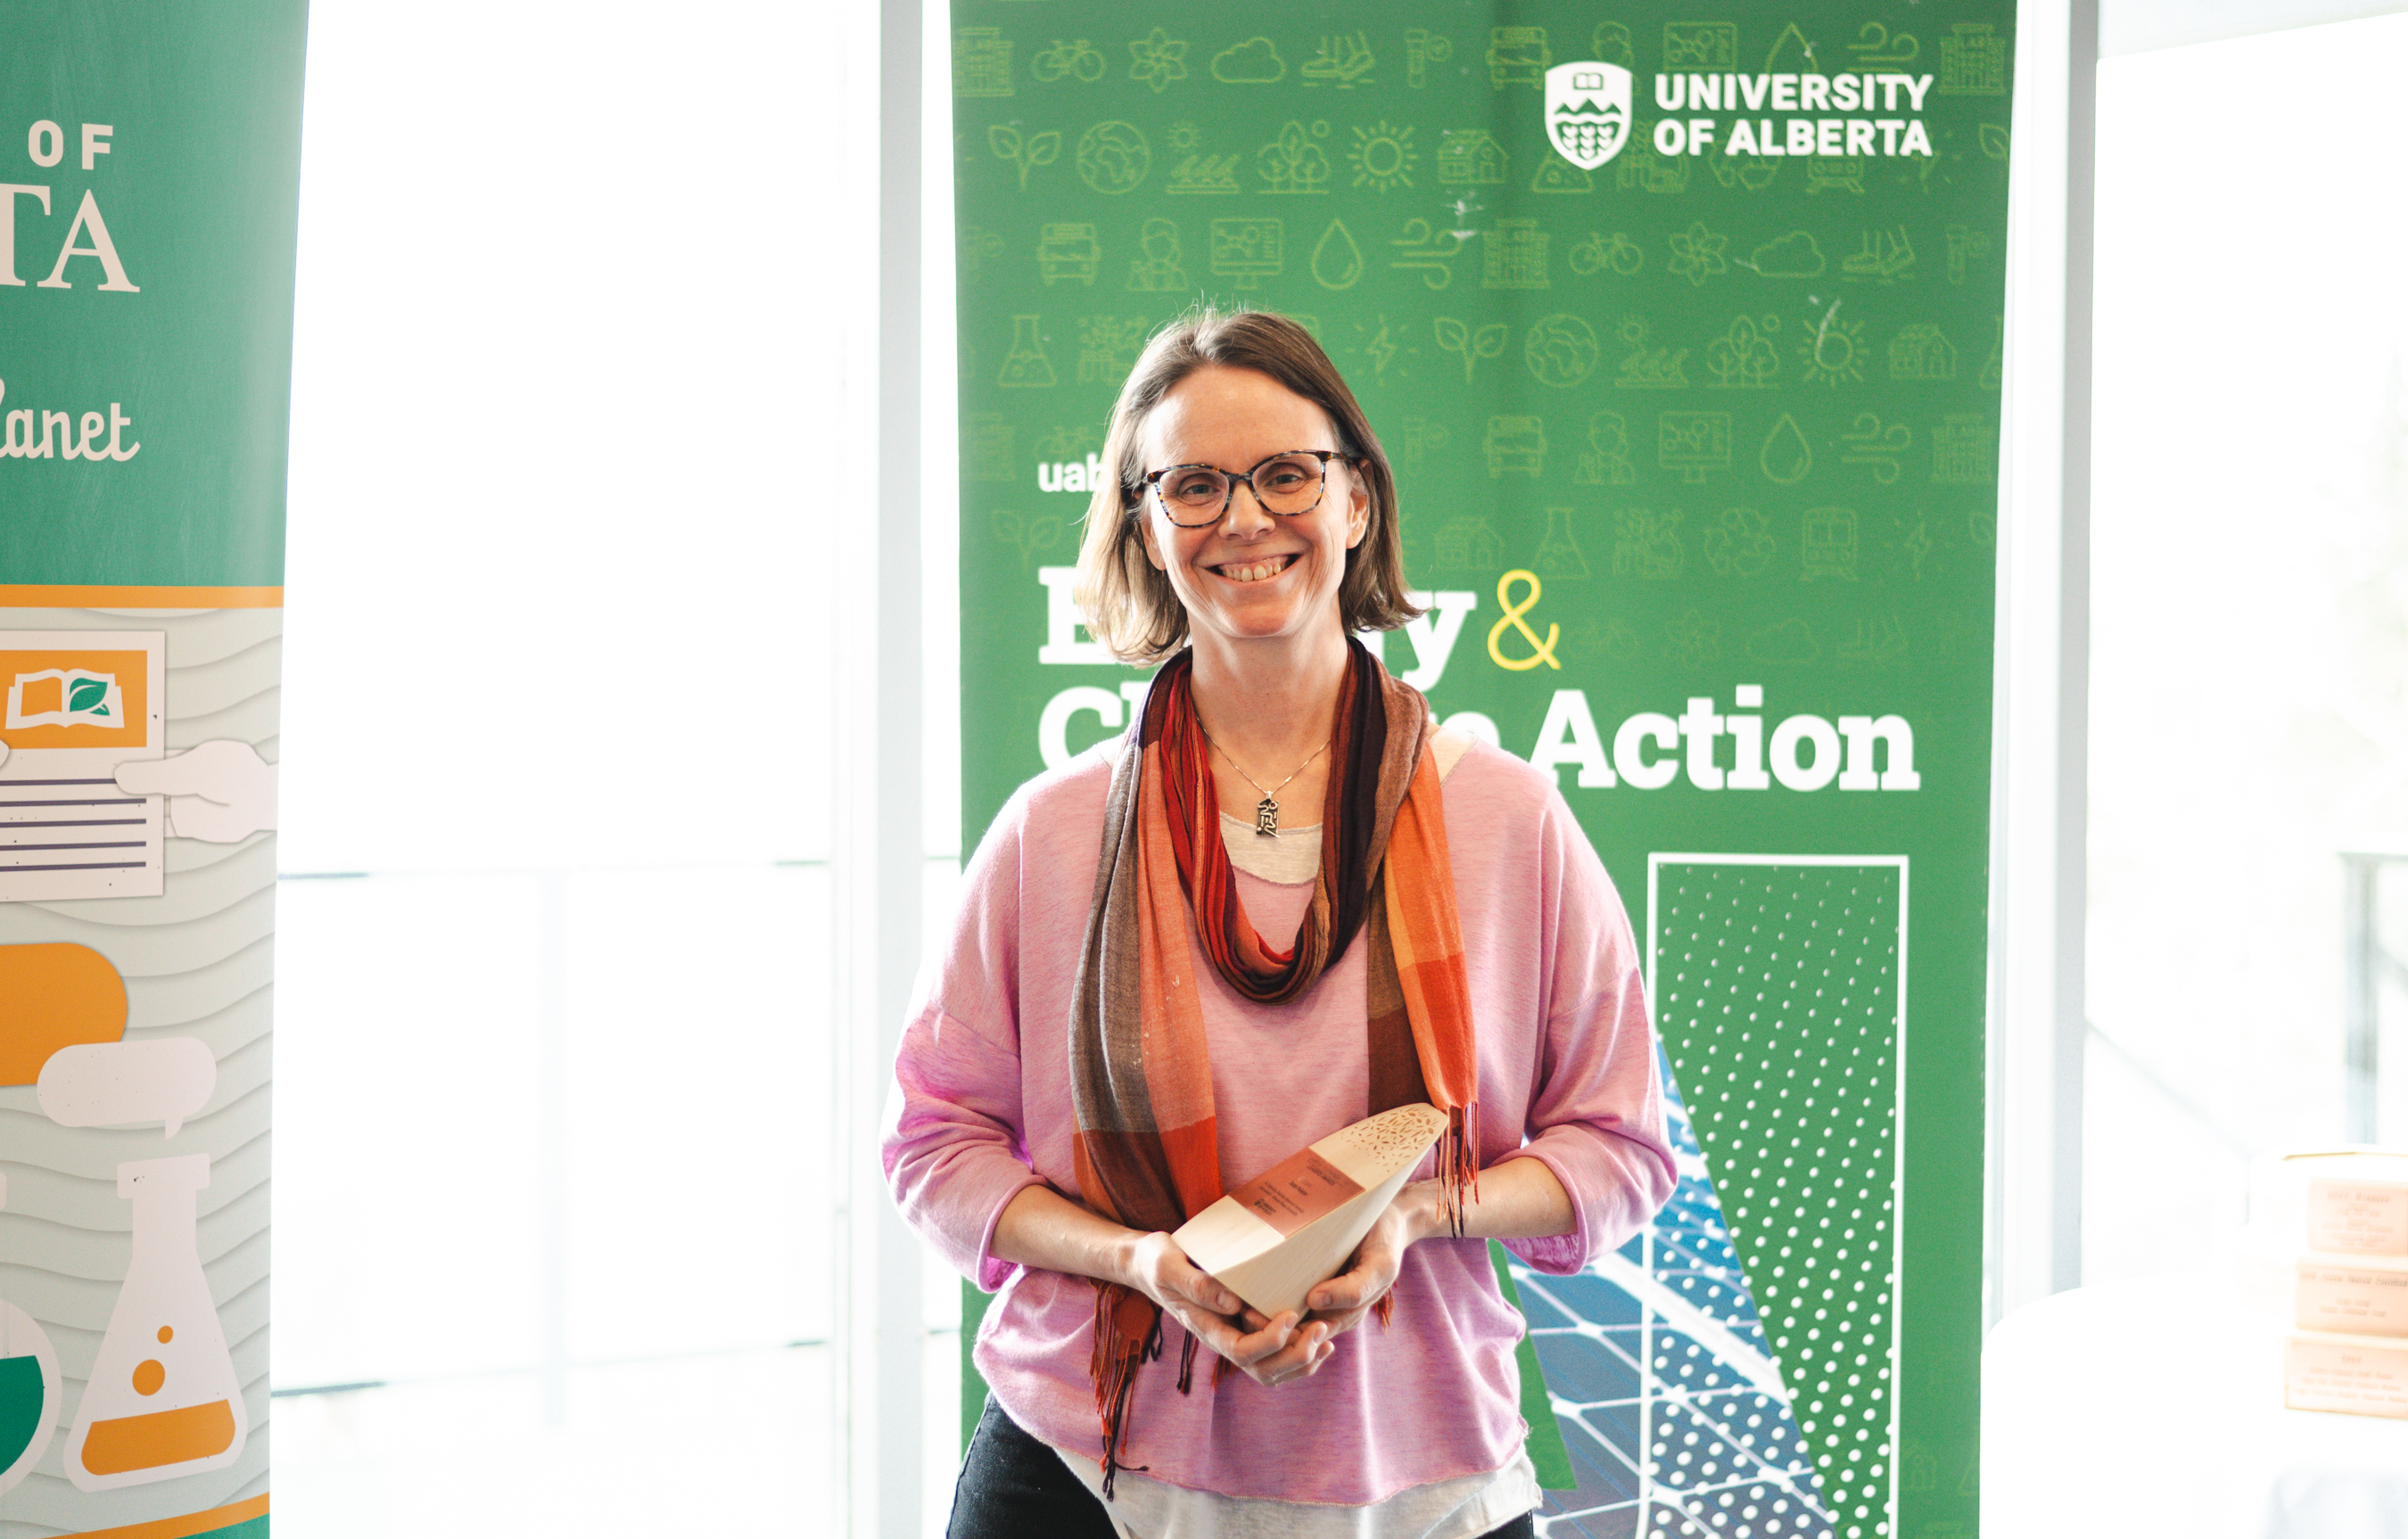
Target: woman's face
x=1251 y=576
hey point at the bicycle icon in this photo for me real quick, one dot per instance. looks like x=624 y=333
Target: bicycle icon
x=1597 y=252
x=1074 y=57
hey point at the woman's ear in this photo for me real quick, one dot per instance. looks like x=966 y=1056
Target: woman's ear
x=1145 y=535
x=1358 y=517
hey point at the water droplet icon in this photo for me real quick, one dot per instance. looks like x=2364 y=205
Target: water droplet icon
x=1786 y=456
x=1337 y=261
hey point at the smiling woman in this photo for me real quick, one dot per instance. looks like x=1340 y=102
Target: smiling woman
x=1266 y=377
x=1075 y=1084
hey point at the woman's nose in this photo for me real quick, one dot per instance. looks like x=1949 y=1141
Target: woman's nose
x=1246 y=514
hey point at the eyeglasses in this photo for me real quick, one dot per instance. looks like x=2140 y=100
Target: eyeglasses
x=1287 y=484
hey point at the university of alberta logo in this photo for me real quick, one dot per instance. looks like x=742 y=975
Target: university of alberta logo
x=1588 y=111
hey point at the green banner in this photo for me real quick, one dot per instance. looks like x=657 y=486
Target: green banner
x=1683 y=328
x=149 y=157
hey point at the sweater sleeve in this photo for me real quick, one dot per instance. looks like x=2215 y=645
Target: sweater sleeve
x=954 y=1145
x=1597 y=1109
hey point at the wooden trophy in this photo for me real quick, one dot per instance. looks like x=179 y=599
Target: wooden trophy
x=1294 y=1226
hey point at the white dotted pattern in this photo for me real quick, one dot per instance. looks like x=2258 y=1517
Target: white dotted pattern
x=1778 y=997
x=1722 y=1454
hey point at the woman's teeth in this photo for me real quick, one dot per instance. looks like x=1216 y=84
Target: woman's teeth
x=1256 y=571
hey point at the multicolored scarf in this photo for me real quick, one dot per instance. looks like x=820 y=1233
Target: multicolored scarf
x=1141 y=1069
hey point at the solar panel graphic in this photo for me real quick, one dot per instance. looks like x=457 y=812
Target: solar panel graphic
x=1728 y=1373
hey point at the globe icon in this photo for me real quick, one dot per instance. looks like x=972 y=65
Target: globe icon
x=1561 y=351
x=1113 y=157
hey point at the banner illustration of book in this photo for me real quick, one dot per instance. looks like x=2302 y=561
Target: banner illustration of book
x=80 y=705
x=66 y=697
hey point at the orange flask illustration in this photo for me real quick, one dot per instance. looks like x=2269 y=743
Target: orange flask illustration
x=163 y=1401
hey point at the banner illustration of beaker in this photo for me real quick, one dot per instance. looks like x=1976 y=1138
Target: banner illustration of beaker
x=162 y=1399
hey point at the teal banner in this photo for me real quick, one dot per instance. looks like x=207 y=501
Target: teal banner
x=152 y=160
x=1683 y=328
x=149 y=157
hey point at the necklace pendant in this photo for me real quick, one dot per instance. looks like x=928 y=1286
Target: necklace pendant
x=1266 y=816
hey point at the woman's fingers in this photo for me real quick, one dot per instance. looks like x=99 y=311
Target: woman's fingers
x=1165 y=1273
x=1302 y=1358
x=1272 y=1349
x=1344 y=1298
x=1347 y=1291
x=1272 y=1352
x=1276 y=1336
x=1213 y=1331
x=1207 y=1293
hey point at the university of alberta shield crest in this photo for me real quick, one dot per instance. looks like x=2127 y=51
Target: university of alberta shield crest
x=1588 y=111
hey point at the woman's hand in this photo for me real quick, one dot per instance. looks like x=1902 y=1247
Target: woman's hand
x=1339 y=1304
x=1040 y=1227
x=1517 y=1198
x=1271 y=1351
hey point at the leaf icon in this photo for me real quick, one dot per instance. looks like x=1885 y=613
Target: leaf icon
x=88 y=697
x=1489 y=341
x=1023 y=153
x=1450 y=334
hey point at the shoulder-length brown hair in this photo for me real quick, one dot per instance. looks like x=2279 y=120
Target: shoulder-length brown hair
x=1129 y=604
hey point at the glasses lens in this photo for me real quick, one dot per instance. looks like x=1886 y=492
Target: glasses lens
x=1290 y=483
x=1193 y=493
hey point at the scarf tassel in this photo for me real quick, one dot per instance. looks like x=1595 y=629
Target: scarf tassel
x=1128 y=1335
x=1459 y=1164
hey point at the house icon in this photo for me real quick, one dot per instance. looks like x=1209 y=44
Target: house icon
x=1468 y=157
x=1920 y=353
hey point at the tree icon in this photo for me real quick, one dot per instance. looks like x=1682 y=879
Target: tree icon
x=1293 y=163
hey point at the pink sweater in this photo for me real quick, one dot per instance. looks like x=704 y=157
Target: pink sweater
x=982 y=1109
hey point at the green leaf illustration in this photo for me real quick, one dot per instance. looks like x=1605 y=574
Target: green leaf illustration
x=88 y=697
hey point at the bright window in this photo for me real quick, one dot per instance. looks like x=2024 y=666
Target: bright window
x=2249 y=620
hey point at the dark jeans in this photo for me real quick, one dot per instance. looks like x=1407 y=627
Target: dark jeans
x=1013 y=1487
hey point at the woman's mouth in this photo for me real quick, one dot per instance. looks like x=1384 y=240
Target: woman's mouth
x=1255 y=571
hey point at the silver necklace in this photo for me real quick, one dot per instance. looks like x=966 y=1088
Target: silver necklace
x=1266 y=810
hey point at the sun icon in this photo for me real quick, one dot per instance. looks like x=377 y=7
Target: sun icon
x=1834 y=351
x=1382 y=156
x=1185 y=138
